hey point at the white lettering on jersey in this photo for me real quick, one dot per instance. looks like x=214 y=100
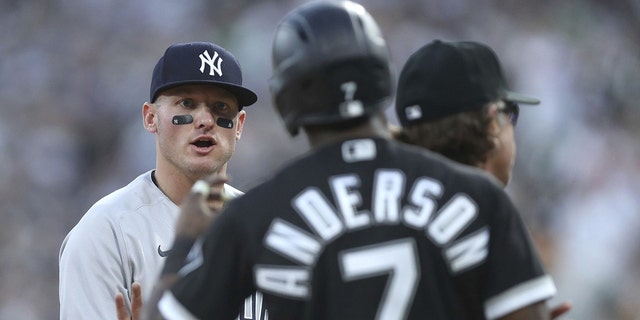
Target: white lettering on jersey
x=251 y=309
x=456 y=214
x=422 y=202
x=468 y=252
x=345 y=190
x=398 y=261
x=327 y=220
x=290 y=281
x=388 y=189
x=292 y=242
x=316 y=210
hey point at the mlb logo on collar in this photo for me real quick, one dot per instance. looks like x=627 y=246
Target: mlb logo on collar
x=199 y=63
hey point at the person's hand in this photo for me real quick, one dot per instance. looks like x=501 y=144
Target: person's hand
x=201 y=206
x=560 y=310
x=136 y=304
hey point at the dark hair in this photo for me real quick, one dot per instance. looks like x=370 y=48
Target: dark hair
x=462 y=137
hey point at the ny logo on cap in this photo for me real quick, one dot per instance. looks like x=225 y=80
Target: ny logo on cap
x=205 y=58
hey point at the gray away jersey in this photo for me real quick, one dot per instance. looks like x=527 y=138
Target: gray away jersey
x=124 y=237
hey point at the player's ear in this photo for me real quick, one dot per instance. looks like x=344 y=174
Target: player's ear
x=240 y=125
x=149 y=117
x=494 y=126
x=492 y=109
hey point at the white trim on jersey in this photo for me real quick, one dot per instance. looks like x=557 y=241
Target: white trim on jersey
x=171 y=308
x=520 y=296
x=194 y=259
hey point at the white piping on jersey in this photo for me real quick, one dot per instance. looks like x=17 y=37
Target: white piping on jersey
x=522 y=295
x=194 y=259
x=172 y=309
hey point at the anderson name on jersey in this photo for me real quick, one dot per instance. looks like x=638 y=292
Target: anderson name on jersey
x=329 y=221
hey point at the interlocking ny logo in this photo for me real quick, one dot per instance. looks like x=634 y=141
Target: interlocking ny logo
x=214 y=63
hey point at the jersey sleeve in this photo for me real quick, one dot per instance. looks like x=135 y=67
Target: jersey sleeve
x=91 y=269
x=516 y=277
x=217 y=276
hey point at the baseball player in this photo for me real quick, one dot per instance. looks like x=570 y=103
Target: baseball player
x=453 y=98
x=195 y=110
x=362 y=226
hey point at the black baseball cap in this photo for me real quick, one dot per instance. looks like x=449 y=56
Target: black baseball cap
x=200 y=63
x=444 y=78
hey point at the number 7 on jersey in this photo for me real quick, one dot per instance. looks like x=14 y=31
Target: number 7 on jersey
x=396 y=258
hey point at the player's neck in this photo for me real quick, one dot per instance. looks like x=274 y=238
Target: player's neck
x=376 y=126
x=174 y=186
x=174 y=183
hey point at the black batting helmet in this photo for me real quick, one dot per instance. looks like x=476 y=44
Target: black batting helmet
x=330 y=63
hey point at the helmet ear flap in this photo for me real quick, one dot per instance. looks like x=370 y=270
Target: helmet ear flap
x=330 y=65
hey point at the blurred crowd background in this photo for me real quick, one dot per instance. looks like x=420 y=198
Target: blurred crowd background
x=75 y=73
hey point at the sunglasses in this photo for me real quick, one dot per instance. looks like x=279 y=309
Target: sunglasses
x=511 y=109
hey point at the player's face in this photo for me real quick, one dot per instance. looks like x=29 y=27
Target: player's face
x=202 y=147
x=501 y=160
x=505 y=156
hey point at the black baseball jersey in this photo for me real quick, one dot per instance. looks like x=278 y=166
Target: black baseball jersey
x=367 y=229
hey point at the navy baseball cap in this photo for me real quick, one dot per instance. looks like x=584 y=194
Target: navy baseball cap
x=445 y=78
x=200 y=63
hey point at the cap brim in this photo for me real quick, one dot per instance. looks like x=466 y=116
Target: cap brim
x=245 y=96
x=520 y=98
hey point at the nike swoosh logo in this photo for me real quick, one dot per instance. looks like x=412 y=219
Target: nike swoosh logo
x=163 y=253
